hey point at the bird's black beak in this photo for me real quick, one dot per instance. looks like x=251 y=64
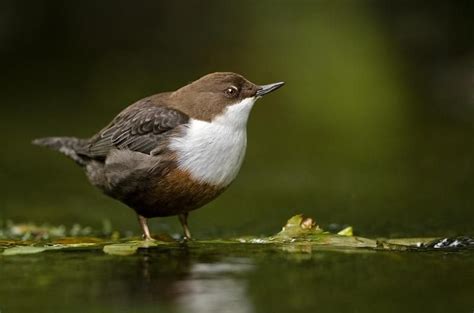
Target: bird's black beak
x=263 y=90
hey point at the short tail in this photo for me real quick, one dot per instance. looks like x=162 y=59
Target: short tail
x=69 y=146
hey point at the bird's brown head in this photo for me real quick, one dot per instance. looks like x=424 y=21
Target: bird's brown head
x=211 y=94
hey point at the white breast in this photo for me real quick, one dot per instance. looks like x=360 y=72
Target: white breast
x=212 y=152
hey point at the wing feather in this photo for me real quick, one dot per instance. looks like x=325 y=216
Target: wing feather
x=140 y=128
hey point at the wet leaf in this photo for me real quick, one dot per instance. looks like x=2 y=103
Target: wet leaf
x=9 y=243
x=299 y=235
x=78 y=241
x=348 y=231
x=128 y=248
x=298 y=227
x=25 y=250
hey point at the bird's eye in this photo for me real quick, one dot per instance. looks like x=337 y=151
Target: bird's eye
x=231 y=91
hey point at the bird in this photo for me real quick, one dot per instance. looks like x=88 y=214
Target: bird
x=173 y=152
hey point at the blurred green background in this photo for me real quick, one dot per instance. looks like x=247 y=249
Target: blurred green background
x=373 y=129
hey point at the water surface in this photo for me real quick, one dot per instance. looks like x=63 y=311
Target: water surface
x=244 y=279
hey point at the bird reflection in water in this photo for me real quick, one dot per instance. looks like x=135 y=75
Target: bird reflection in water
x=191 y=283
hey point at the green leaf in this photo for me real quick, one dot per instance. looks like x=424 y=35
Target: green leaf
x=128 y=248
x=348 y=231
x=26 y=250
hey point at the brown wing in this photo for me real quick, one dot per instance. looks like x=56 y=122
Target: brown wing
x=140 y=128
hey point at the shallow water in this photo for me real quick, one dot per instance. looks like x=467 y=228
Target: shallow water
x=373 y=129
x=241 y=279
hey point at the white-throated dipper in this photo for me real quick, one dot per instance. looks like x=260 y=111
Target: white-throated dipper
x=173 y=152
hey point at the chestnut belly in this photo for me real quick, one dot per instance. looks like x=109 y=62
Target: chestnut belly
x=170 y=193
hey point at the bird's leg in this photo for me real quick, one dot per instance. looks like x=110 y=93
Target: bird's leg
x=144 y=225
x=183 y=218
